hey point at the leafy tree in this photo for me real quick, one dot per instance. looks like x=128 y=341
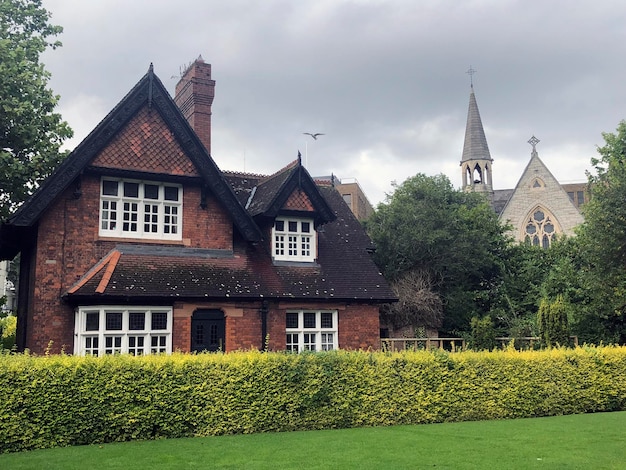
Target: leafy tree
x=31 y=133
x=552 y=321
x=426 y=226
x=525 y=268
x=483 y=333
x=595 y=269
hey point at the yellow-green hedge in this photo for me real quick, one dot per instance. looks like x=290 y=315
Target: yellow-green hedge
x=66 y=400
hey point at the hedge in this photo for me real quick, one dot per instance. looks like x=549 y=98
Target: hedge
x=67 y=400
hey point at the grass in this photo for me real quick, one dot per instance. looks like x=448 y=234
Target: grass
x=595 y=441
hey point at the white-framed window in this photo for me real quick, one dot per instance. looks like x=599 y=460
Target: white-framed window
x=294 y=239
x=138 y=331
x=140 y=209
x=311 y=330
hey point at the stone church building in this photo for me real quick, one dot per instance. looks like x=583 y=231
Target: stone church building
x=539 y=208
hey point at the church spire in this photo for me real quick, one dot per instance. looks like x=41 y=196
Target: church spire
x=476 y=159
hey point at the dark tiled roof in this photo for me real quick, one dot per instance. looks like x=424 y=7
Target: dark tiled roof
x=344 y=270
x=268 y=195
x=500 y=198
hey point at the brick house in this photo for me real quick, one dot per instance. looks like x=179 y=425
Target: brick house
x=139 y=243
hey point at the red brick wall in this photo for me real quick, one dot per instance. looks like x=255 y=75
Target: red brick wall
x=69 y=245
x=359 y=327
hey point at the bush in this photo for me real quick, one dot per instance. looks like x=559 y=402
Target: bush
x=66 y=400
x=552 y=322
x=483 y=334
x=8 y=327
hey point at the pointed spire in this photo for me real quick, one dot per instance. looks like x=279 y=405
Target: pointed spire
x=475 y=146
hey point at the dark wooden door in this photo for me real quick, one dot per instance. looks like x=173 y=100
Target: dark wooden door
x=208 y=331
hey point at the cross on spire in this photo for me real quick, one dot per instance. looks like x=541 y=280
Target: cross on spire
x=471 y=73
x=534 y=141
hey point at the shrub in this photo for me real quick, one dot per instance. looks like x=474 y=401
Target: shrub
x=8 y=327
x=67 y=400
x=483 y=334
x=552 y=322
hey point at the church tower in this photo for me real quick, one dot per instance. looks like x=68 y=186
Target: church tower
x=476 y=160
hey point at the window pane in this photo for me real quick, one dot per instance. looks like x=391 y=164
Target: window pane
x=131 y=189
x=109 y=188
x=92 y=322
x=292 y=320
x=171 y=193
x=151 y=191
x=327 y=320
x=306 y=227
x=293 y=226
x=136 y=321
x=114 y=320
x=581 y=197
x=309 y=320
x=538 y=216
x=159 y=320
x=279 y=225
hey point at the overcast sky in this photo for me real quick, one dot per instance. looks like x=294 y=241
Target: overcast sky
x=385 y=81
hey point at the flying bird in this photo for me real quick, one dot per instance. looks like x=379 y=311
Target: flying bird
x=313 y=135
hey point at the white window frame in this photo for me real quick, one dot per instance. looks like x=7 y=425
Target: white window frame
x=311 y=336
x=292 y=242
x=125 y=216
x=92 y=341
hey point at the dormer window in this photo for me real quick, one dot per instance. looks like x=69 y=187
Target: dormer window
x=293 y=240
x=140 y=209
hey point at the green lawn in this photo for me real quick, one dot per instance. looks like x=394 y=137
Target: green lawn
x=592 y=441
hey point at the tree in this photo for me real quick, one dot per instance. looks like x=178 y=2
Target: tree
x=418 y=305
x=483 y=334
x=455 y=238
x=599 y=262
x=553 y=323
x=31 y=133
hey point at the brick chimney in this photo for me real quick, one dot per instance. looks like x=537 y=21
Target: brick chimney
x=194 y=97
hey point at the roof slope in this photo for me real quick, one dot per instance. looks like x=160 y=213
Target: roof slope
x=475 y=146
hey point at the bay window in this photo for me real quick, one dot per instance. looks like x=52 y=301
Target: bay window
x=116 y=330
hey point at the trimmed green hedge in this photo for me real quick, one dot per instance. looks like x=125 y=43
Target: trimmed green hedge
x=67 y=400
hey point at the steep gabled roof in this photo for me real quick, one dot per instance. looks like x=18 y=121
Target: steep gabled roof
x=548 y=194
x=475 y=146
x=269 y=196
x=151 y=92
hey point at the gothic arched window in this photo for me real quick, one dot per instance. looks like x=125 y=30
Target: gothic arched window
x=540 y=228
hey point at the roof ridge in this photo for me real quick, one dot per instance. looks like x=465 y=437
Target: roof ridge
x=108 y=272
x=95 y=269
x=243 y=173
x=287 y=167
